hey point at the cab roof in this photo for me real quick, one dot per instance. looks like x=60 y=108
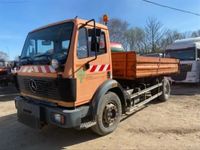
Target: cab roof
x=185 y=43
x=188 y=40
x=76 y=21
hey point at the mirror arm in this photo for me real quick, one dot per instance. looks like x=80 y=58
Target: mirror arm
x=87 y=23
x=87 y=65
x=95 y=36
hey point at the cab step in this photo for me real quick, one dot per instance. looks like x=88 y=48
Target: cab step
x=87 y=125
x=140 y=105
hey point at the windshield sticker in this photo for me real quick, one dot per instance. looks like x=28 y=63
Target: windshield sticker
x=81 y=75
x=37 y=69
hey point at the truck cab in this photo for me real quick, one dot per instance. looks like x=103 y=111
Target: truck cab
x=188 y=51
x=59 y=61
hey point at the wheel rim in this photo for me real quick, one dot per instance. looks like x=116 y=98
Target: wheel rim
x=110 y=114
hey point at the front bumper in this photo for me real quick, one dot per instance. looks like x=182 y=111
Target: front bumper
x=189 y=77
x=35 y=114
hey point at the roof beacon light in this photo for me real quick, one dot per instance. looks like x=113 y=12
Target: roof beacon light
x=105 y=19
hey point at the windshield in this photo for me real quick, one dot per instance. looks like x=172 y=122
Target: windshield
x=182 y=54
x=52 y=41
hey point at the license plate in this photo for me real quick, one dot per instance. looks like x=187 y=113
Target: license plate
x=29 y=114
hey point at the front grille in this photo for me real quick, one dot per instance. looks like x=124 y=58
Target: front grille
x=47 y=88
x=58 y=89
x=184 y=68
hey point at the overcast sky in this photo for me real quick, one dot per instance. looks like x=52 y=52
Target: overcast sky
x=18 y=17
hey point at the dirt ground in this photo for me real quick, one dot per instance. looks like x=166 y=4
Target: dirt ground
x=174 y=124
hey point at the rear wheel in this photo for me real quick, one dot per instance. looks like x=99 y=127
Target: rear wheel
x=109 y=114
x=166 y=90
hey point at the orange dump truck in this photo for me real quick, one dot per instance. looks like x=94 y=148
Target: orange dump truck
x=70 y=78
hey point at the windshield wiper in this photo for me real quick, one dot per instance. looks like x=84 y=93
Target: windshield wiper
x=26 y=60
x=42 y=58
x=42 y=55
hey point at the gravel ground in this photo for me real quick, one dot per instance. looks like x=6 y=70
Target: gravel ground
x=174 y=124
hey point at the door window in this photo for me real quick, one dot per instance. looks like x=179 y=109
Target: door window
x=82 y=49
x=84 y=44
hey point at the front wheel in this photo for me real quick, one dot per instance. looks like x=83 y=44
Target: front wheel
x=109 y=114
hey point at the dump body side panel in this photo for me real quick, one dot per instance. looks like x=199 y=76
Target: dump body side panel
x=151 y=66
x=128 y=65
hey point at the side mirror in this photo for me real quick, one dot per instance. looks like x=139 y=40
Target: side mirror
x=94 y=34
x=98 y=32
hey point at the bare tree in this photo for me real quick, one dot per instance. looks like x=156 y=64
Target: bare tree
x=3 y=55
x=117 y=29
x=196 y=33
x=173 y=35
x=186 y=34
x=154 y=37
x=154 y=33
x=170 y=37
x=135 y=37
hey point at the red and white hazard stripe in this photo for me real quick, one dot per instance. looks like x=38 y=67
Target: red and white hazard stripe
x=37 y=69
x=99 y=68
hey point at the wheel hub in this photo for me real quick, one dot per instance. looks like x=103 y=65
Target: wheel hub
x=110 y=114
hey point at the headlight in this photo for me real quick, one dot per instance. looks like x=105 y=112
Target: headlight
x=55 y=63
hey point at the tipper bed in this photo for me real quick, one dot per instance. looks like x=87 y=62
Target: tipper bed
x=129 y=65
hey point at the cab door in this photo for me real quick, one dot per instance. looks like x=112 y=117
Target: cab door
x=91 y=76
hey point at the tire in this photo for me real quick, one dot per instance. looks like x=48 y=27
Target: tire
x=109 y=115
x=166 y=90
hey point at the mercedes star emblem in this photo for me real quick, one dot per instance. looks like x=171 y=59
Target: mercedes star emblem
x=33 y=86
